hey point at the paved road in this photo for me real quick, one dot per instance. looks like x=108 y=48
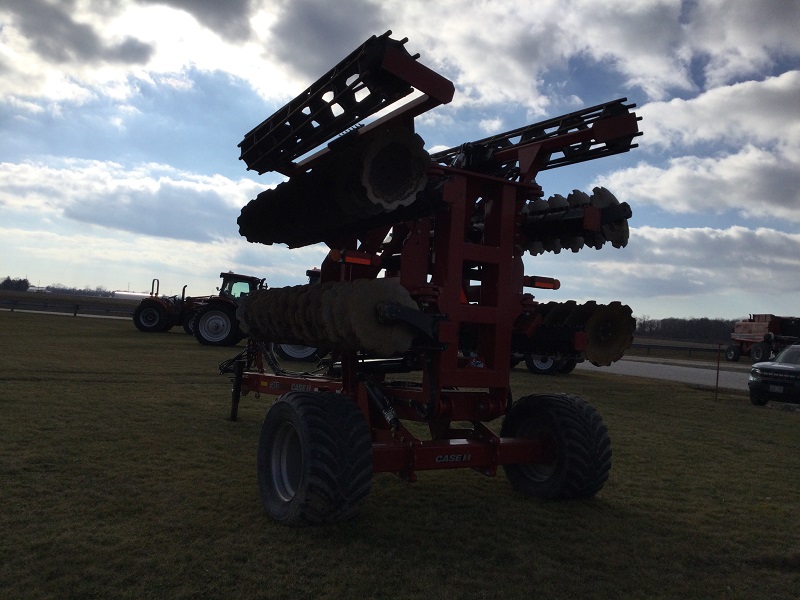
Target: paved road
x=732 y=376
x=66 y=314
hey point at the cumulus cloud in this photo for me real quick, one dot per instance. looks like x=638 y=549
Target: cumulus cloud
x=512 y=54
x=738 y=39
x=753 y=170
x=230 y=19
x=637 y=37
x=76 y=52
x=311 y=36
x=757 y=112
x=676 y=271
x=153 y=200
x=753 y=182
x=732 y=265
x=56 y=36
x=738 y=248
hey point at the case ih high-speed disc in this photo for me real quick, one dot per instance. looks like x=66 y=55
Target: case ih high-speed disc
x=422 y=297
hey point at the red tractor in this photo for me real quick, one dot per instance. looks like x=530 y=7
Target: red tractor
x=422 y=296
x=212 y=319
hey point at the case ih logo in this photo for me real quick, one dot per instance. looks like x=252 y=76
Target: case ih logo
x=447 y=458
x=302 y=387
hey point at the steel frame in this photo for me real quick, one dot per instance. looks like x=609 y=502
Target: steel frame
x=462 y=283
x=440 y=274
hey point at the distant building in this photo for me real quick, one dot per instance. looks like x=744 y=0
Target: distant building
x=123 y=295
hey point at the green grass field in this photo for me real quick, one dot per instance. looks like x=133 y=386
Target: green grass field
x=121 y=477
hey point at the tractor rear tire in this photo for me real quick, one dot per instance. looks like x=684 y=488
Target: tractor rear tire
x=540 y=365
x=314 y=459
x=216 y=325
x=150 y=317
x=575 y=438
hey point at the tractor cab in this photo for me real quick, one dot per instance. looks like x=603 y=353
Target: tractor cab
x=236 y=287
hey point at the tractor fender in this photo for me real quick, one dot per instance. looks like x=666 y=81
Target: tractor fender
x=154 y=300
x=220 y=300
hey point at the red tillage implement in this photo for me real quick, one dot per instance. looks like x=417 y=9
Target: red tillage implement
x=424 y=279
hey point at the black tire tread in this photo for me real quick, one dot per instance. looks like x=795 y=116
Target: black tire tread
x=584 y=446
x=337 y=473
x=160 y=326
x=760 y=352
x=567 y=366
x=733 y=353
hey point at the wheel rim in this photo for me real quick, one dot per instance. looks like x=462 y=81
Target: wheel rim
x=298 y=352
x=214 y=326
x=543 y=363
x=149 y=317
x=540 y=471
x=287 y=462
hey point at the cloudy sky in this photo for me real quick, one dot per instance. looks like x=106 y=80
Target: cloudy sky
x=120 y=119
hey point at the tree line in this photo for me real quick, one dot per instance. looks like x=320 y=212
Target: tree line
x=15 y=285
x=23 y=285
x=711 y=331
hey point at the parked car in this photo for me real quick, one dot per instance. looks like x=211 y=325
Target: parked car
x=778 y=379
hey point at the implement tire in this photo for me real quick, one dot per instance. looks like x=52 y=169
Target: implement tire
x=572 y=434
x=314 y=459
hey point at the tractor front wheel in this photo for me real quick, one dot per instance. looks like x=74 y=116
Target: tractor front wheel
x=216 y=325
x=314 y=459
x=187 y=321
x=574 y=442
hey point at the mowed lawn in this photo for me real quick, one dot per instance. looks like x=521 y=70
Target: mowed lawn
x=121 y=477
